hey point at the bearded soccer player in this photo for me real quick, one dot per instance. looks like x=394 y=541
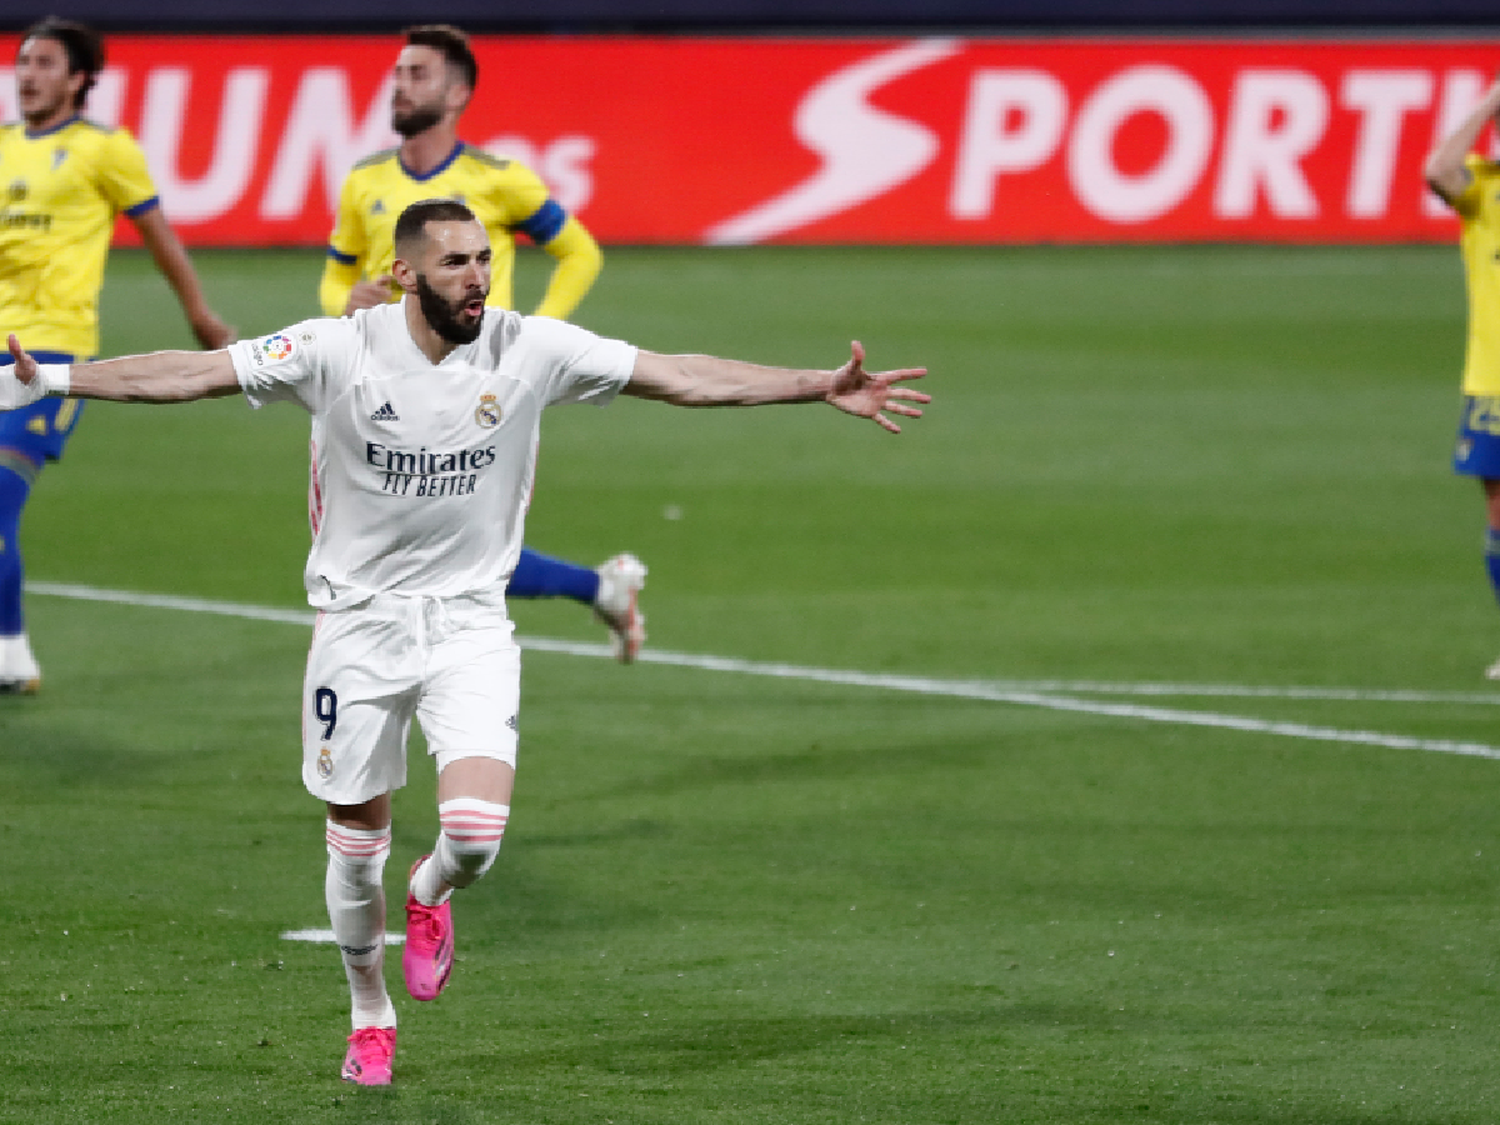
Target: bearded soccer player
x=419 y=527
x=435 y=77
x=1470 y=184
x=65 y=179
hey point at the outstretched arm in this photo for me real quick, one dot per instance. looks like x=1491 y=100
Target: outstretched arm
x=157 y=377
x=1444 y=170
x=704 y=380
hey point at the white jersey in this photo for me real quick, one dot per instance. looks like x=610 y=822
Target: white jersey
x=422 y=472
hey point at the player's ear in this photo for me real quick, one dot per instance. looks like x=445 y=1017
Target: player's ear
x=405 y=275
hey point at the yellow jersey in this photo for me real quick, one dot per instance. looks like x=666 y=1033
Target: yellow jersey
x=60 y=191
x=504 y=195
x=1478 y=205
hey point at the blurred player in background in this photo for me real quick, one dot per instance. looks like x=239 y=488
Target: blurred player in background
x=420 y=522
x=435 y=78
x=63 y=180
x=1470 y=184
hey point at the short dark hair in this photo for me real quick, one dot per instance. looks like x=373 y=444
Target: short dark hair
x=84 y=45
x=451 y=43
x=411 y=224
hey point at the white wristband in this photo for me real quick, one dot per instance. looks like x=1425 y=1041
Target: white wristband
x=56 y=378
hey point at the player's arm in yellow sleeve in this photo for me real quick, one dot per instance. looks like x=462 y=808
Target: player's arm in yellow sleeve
x=555 y=231
x=579 y=261
x=126 y=183
x=1448 y=169
x=343 y=288
x=339 y=278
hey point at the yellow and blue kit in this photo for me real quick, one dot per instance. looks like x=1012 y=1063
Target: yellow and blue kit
x=1478 y=206
x=29 y=438
x=60 y=191
x=506 y=196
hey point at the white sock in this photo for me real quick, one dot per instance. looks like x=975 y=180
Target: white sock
x=16 y=659
x=356 y=908
x=466 y=847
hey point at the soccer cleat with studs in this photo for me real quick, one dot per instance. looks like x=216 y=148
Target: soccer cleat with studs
x=617 y=604
x=368 y=1062
x=428 y=957
x=19 y=674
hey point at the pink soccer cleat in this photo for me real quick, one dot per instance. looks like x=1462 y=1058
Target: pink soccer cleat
x=368 y=1062
x=428 y=957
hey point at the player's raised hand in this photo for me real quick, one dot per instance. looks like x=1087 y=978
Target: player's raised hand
x=871 y=394
x=19 y=385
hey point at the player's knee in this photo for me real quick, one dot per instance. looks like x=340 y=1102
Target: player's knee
x=472 y=830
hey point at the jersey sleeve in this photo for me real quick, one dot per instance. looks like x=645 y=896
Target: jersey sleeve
x=578 y=263
x=520 y=201
x=337 y=282
x=124 y=179
x=579 y=366
x=286 y=366
x=1470 y=201
x=349 y=245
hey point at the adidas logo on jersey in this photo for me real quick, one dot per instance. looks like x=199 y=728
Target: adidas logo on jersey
x=386 y=413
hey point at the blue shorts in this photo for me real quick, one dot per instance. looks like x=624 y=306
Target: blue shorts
x=38 y=432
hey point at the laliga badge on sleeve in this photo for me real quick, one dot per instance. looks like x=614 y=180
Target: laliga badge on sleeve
x=277 y=347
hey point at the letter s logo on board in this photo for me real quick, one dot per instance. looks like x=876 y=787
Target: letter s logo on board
x=866 y=151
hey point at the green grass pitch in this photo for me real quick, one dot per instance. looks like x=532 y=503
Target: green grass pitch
x=730 y=898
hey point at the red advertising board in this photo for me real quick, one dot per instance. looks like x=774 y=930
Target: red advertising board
x=825 y=140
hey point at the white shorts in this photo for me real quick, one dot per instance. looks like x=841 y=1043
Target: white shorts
x=451 y=662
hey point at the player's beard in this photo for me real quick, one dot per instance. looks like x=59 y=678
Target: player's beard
x=443 y=316
x=416 y=120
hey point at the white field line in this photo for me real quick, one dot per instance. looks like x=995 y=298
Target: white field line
x=325 y=937
x=1050 y=695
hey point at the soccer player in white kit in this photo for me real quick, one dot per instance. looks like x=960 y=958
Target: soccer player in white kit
x=425 y=420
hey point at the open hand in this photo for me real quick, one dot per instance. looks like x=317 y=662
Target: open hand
x=870 y=394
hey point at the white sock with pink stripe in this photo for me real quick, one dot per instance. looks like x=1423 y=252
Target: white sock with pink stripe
x=466 y=847
x=356 y=908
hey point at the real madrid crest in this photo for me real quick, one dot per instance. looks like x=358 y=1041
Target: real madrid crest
x=487 y=414
x=325 y=764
